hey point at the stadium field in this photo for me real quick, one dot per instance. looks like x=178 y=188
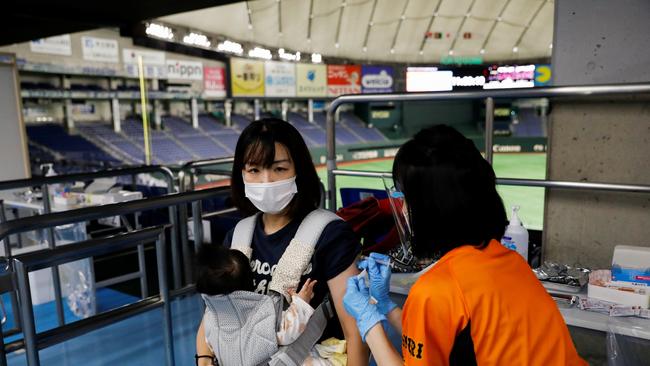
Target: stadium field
x=521 y=165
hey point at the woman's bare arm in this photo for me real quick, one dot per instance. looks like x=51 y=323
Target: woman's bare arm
x=381 y=348
x=358 y=353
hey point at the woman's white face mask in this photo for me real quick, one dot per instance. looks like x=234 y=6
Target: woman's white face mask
x=271 y=197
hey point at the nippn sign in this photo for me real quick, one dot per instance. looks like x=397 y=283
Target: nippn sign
x=184 y=70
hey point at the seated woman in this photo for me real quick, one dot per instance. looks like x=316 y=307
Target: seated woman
x=480 y=303
x=275 y=182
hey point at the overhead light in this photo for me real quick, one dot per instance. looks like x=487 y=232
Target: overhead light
x=250 y=26
x=364 y=49
x=337 y=45
x=468 y=15
x=435 y=14
x=499 y=19
x=515 y=49
x=259 y=52
x=482 y=51
x=197 y=39
x=280 y=34
x=343 y=4
x=451 y=52
x=403 y=17
x=421 y=52
x=392 y=51
x=550 y=46
x=288 y=56
x=230 y=47
x=160 y=31
x=308 y=40
x=371 y=24
x=316 y=58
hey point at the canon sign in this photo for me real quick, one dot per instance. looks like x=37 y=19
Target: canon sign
x=186 y=70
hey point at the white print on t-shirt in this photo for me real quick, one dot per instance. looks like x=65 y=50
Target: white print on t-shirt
x=264 y=268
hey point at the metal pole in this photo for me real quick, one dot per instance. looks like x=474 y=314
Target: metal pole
x=182 y=230
x=173 y=220
x=331 y=158
x=29 y=327
x=164 y=296
x=142 y=263
x=197 y=219
x=56 y=280
x=519 y=182
x=489 y=128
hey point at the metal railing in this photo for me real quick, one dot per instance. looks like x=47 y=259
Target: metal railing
x=79 y=215
x=46 y=182
x=489 y=96
x=186 y=176
x=29 y=262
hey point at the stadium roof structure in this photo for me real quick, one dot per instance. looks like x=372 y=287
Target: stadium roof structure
x=403 y=31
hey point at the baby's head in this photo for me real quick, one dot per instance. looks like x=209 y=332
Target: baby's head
x=221 y=271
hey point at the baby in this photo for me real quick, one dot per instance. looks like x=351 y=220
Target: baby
x=222 y=271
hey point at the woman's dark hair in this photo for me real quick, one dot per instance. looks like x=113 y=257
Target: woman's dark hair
x=220 y=271
x=450 y=191
x=256 y=145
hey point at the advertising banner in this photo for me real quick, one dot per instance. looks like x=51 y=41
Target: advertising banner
x=214 y=81
x=153 y=63
x=184 y=70
x=280 y=79
x=311 y=80
x=57 y=45
x=100 y=49
x=247 y=77
x=543 y=75
x=343 y=79
x=376 y=79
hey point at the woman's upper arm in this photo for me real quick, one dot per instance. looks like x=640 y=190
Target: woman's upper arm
x=357 y=351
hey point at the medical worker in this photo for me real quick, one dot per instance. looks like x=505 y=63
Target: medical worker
x=480 y=303
x=273 y=174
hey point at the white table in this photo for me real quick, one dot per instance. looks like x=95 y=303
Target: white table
x=629 y=326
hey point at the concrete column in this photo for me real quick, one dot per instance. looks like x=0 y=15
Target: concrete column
x=67 y=112
x=256 y=108
x=310 y=110
x=157 y=114
x=195 y=113
x=115 y=111
x=227 y=112
x=598 y=140
x=285 y=109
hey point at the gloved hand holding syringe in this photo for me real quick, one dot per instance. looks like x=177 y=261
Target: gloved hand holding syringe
x=377 y=268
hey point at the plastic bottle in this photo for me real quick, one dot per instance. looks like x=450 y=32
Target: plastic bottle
x=516 y=235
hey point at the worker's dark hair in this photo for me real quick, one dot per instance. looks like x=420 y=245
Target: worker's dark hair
x=220 y=271
x=450 y=192
x=256 y=145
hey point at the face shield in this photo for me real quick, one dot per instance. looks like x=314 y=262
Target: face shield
x=404 y=260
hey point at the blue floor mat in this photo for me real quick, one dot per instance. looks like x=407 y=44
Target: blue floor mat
x=45 y=314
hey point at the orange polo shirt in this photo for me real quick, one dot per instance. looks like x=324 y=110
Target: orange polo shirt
x=486 y=307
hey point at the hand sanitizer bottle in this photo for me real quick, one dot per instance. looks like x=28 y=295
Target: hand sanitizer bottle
x=516 y=235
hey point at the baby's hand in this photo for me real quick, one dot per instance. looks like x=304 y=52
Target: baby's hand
x=307 y=291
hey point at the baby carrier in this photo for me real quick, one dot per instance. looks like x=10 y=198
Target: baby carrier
x=245 y=323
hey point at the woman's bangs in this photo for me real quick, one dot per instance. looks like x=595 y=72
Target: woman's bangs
x=260 y=152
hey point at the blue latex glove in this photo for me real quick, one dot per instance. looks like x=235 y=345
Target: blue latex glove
x=357 y=303
x=379 y=275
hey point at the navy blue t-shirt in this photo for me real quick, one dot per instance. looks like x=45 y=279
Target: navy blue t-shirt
x=335 y=251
